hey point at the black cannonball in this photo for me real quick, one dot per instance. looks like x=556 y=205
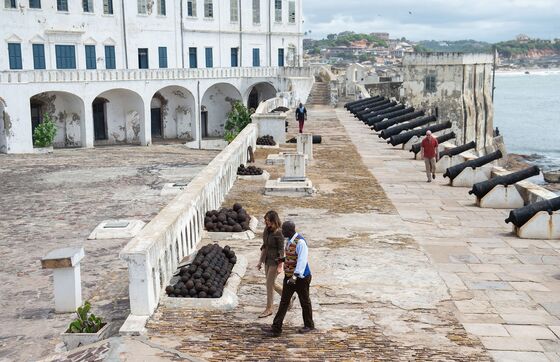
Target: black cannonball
x=202 y=294
x=189 y=284
x=192 y=292
x=169 y=289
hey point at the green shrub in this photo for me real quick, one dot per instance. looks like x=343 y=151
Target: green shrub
x=85 y=323
x=238 y=118
x=44 y=133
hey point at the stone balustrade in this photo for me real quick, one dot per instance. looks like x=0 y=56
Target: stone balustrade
x=174 y=233
x=110 y=75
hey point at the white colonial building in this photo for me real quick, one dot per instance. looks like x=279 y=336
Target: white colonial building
x=111 y=72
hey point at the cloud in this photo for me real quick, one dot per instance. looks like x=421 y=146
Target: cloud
x=436 y=19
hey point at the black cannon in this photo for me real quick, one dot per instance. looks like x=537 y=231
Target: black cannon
x=482 y=188
x=363 y=107
x=397 y=113
x=361 y=101
x=417 y=147
x=519 y=217
x=407 y=136
x=376 y=107
x=395 y=130
x=453 y=171
x=457 y=150
x=382 y=113
x=391 y=121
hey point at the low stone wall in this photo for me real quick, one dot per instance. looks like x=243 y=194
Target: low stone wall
x=174 y=233
x=273 y=124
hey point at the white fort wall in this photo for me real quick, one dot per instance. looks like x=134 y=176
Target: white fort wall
x=174 y=233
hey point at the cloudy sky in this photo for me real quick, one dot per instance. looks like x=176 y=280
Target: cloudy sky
x=488 y=20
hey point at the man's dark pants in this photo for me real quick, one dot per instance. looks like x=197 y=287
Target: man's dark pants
x=301 y=287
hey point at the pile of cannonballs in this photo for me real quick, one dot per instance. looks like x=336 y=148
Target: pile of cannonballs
x=206 y=276
x=249 y=171
x=266 y=141
x=234 y=220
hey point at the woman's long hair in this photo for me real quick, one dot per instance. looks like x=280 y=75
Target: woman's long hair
x=273 y=219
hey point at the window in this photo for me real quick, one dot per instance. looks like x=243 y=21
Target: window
x=292 y=12
x=62 y=5
x=142 y=7
x=208 y=9
x=209 y=57
x=280 y=57
x=256 y=11
x=10 y=4
x=192 y=58
x=14 y=53
x=143 y=58
x=65 y=57
x=191 y=7
x=87 y=5
x=34 y=4
x=430 y=83
x=234 y=11
x=38 y=56
x=234 y=57
x=278 y=11
x=107 y=6
x=256 y=57
x=91 y=59
x=110 y=57
x=162 y=52
x=161 y=10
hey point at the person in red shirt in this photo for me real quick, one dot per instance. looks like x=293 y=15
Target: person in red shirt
x=430 y=155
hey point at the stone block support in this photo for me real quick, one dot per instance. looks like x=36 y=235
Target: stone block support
x=305 y=144
x=65 y=263
x=294 y=167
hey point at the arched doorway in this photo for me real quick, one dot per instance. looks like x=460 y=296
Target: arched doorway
x=172 y=113
x=118 y=117
x=217 y=101
x=66 y=110
x=258 y=93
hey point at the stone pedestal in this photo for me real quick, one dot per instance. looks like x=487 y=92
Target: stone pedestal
x=294 y=167
x=502 y=197
x=541 y=226
x=294 y=181
x=470 y=176
x=67 y=280
x=305 y=144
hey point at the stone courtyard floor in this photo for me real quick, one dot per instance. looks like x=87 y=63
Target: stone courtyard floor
x=52 y=201
x=402 y=270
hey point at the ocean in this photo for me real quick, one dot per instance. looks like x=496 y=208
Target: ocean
x=527 y=113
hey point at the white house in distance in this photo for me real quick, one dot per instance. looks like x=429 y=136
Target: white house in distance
x=111 y=72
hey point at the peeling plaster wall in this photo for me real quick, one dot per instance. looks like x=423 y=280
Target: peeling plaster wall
x=301 y=88
x=177 y=113
x=462 y=95
x=218 y=100
x=124 y=114
x=3 y=131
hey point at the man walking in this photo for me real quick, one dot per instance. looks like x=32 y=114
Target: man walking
x=297 y=278
x=430 y=155
x=301 y=116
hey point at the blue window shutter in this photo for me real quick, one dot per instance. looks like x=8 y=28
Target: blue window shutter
x=234 y=57
x=162 y=57
x=281 y=57
x=193 y=58
x=110 y=62
x=14 y=53
x=39 y=56
x=209 y=58
x=91 y=62
x=256 y=57
x=65 y=56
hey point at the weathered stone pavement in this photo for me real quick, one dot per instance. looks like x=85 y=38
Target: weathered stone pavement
x=53 y=201
x=505 y=290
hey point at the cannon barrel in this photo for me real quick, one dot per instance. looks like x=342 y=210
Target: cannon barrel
x=382 y=113
x=407 y=136
x=396 y=120
x=520 y=216
x=444 y=137
x=453 y=171
x=395 y=130
x=361 y=101
x=482 y=188
x=375 y=107
x=457 y=150
x=372 y=103
x=400 y=112
x=364 y=107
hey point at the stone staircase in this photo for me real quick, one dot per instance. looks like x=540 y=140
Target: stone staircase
x=320 y=94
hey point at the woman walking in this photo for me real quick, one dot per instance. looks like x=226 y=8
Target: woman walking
x=272 y=255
